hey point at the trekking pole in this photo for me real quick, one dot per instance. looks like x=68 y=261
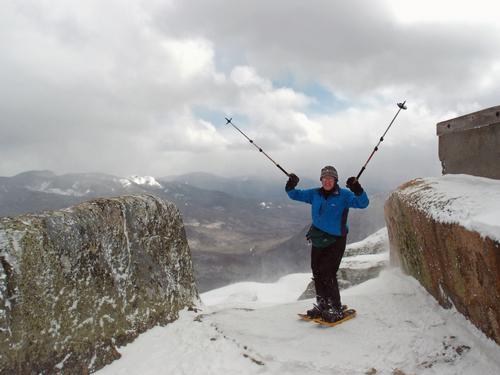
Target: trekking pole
x=229 y=121
x=401 y=106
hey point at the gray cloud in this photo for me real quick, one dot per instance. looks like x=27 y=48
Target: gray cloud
x=113 y=87
x=352 y=47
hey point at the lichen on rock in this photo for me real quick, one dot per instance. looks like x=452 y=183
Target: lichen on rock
x=76 y=283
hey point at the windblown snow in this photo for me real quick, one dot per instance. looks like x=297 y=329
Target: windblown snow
x=253 y=328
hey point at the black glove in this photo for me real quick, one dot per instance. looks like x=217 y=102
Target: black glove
x=353 y=184
x=293 y=180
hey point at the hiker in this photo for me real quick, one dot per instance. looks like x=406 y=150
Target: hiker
x=328 y=234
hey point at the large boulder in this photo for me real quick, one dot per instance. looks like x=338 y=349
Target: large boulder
x=76 y=283
x=445 y=232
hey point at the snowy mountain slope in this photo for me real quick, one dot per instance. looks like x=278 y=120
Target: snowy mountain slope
x=144 y=180
x=253 y=329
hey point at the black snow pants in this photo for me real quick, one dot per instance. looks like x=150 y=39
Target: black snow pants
x=325 y=263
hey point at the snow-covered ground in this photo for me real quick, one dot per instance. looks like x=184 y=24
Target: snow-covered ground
x=252 y=328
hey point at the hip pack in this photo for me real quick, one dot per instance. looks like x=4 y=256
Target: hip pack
x=319 y=238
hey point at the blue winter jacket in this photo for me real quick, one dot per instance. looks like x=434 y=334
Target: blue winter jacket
x=330 y=214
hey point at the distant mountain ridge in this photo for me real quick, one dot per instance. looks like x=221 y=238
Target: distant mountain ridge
x=215 y=220
x=227 y=221
x=242 y=186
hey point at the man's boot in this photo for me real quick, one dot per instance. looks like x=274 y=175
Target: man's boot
x=318 y=307
x=332 y=313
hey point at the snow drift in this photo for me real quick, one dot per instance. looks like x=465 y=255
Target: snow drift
x=253 y=328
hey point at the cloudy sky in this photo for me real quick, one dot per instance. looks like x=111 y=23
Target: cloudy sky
x=142 y=86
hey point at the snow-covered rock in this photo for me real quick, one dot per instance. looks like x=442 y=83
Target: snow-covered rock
x=74 y=283
x=446 y=233
x=375 y=243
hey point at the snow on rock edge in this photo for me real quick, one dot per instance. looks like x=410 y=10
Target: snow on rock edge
x=472 y=202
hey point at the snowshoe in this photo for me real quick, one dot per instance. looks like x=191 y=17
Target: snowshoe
x=315 y=312
x=346 y=315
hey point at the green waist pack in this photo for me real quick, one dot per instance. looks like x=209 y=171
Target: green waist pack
x=319 y=238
